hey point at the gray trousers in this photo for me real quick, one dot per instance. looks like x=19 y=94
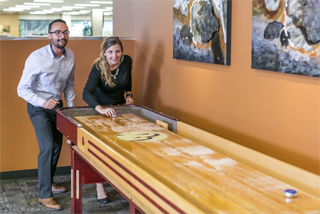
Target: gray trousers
x=49 y=141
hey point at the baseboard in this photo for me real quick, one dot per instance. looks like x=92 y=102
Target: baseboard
x=64 y=170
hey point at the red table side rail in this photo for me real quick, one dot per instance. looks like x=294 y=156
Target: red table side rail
x=67 y=128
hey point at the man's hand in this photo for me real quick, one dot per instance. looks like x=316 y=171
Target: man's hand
x=50 y=104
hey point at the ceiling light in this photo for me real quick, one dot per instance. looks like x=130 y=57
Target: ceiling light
x=40 y=4
x=50 y=1
x=71 y=13
x=38 y=12
x=87 y=5
x=85 y=11
x=23 y=8
x=60 y=9
x=107 y=13
x=56 y=9
x=26 y=6
x=72 y=7
x=13 y=9
x=46 y=11
x=101 y=2
x=108 y=9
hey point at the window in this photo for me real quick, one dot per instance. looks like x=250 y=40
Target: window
x=80 y=28
x=31 y=19
x=107 y=28
x=33 y=27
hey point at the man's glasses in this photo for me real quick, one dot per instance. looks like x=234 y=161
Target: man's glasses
x=59 y=32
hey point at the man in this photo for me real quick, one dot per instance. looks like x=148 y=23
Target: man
x=48 y=72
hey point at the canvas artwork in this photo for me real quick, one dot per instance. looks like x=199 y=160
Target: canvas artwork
x=202 y=30
x=286 y=35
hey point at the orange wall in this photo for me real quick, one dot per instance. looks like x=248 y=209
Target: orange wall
x=18 y=144
x=274 y=113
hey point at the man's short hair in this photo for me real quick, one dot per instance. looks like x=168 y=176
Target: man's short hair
x=54 y=21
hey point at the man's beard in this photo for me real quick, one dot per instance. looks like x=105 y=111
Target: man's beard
x=60 y=46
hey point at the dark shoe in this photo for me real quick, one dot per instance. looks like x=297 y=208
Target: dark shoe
x=50 y=203
x=102 y=200
x=56 y=188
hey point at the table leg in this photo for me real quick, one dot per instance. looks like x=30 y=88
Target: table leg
x=133 y=208
x=83 y=173
x=76 y=193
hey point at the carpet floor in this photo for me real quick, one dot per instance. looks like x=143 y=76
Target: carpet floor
x=21 y=196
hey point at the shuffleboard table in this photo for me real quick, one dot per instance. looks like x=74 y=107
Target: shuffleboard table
x=159 y=171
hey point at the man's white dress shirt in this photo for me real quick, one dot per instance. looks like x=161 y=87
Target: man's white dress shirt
x=46 y=76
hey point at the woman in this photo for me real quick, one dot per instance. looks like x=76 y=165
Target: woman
x=109 y=79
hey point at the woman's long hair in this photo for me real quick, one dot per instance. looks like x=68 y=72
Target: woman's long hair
x=102 y=63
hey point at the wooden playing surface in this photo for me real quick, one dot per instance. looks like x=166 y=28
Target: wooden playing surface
x=210 y=181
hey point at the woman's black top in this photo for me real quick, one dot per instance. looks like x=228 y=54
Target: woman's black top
x=96 y=92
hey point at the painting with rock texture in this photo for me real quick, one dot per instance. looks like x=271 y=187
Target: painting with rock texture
x=286 y=36
x=202 y=30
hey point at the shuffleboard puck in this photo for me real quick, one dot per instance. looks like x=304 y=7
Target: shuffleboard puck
x=290 y=193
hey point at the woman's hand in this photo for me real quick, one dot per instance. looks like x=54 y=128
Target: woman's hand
x=106 y=111
x=129 y=101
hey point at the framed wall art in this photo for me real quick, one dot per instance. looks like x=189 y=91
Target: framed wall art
x=286 y=35
x=202 y=30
